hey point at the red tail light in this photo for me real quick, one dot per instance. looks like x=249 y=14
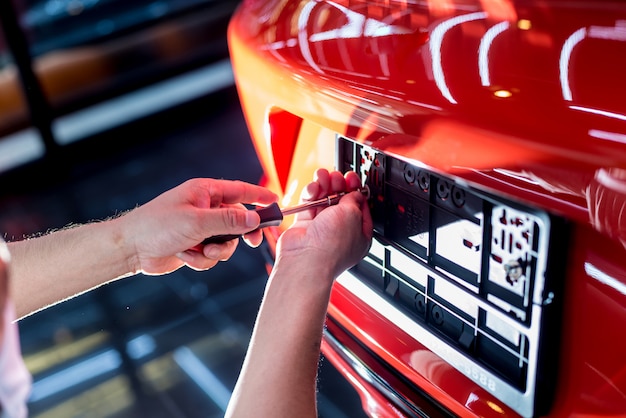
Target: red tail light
x=284 y=129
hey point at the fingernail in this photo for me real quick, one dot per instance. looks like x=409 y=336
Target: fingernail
x=184 y=256
x=252 y=219
x=213 y=252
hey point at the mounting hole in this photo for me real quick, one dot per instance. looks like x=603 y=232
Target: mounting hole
x=443 y=190
x=436 y=313
x=458 y=197
x=409 y=174
x=423 y=180
x=420 y=304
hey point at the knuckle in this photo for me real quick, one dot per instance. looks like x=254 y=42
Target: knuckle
x=233 y=218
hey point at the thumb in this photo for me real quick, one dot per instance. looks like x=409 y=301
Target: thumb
x=231 y=220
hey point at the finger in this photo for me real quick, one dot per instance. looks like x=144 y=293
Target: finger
x=235 y=191
x=353 y=182
x=254 y=238
x=316 y=189
x=310 y=191
x=353 y=198
x=227 y=220
x=337 y=182
x=220 y=252
x=196 y=260
x=322 y=177
x=366 y=217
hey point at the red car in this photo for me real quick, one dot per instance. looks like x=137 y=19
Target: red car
x=492 y=135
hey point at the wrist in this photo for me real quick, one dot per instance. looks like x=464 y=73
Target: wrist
x=122 y=244
x=307 y=268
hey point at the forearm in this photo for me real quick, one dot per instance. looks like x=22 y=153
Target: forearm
x=56 y=266
x=279 y=374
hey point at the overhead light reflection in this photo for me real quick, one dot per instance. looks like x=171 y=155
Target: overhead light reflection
x=566 y=55
x=608 y=136
x=599 y=112
x=90 y=368
x=305 y=13
x=517 y=176
x=436 y=40
x=202 y=376
x=357 y=26
x=524 y=24
x=615 y=33
x=503 y=94
x=74 y=375
x=141 y=346
x=483 y=51
x=604 y=278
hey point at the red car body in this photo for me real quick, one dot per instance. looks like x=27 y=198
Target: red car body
x=492 y=135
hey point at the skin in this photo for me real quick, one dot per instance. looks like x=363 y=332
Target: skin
x=278 y=378
x=156 y=238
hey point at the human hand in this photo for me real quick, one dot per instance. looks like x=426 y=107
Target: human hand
x=336 y=237
x=164 y=233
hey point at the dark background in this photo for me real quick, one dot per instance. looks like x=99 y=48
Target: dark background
x=168 y=346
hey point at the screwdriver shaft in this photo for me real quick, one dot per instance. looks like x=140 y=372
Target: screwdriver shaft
x=327 y=201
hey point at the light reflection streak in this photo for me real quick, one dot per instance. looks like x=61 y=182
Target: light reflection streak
x=605 y=278
x=90 y=368
x=436 y=40
x=426 y=105
x=614 y=33
x=141 y=346
x=608 y=136
x=483 y=51
x=358 y=25
x=76 y=374
x=267 y=135
x=517 y=176
x=280 y=44
x=566 y=55
x=302 y=35
x=290 y=193
x=611 y=179
x=383 y=60
x=210 y=384
x=599 y=112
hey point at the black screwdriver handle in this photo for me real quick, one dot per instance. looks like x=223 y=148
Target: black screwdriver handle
x=270 y=216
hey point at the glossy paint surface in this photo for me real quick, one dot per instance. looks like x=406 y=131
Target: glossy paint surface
x=521 y=99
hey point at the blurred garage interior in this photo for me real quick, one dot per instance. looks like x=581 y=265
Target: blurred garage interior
x=104 y=104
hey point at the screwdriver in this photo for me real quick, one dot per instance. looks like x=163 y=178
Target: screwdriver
x=272 y=215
